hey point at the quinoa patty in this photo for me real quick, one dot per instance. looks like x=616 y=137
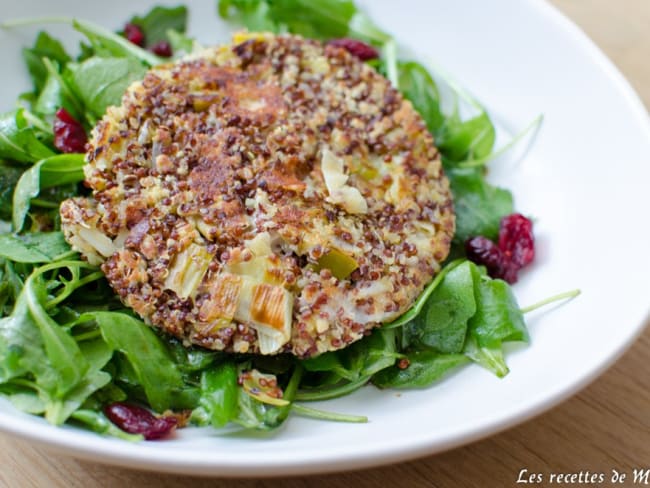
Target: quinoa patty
x=273 y=195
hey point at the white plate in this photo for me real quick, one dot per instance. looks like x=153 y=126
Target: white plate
x=585 y=181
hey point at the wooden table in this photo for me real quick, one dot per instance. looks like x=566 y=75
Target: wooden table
x=606 y=426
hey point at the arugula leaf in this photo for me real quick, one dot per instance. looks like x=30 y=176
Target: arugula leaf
x=101 y=82
x=52 y=171
x=33 y=247
x=19 y=140
x=156 y=371
x=108 y=44
x=45 y=47
x=425 y=368
x=159 y=20
x=479 y=206
x=442 y=324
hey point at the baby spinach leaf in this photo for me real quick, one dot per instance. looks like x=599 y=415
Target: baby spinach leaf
x=470 y=139
x=371 y=354
x=479 y=206
x=146 y=353
x=218 y=400
x=425 y=368
x=491 y=358
x=33 y=247
x=417 y=85
x=498 y=318
x=329 y=361
x=159 y=20
x=191 y=359
x=52 y=171
x=101 y=82
x=421 y=300
x=442 y=324
x=45 y=47
x=19 y=140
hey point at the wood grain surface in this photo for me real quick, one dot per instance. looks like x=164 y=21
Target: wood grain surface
x=605 y=427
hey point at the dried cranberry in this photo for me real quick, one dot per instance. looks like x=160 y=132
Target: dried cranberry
x=138 y=420
x=515 y=250
x=357 y=48
x=482 y=250
x=516 y=239
x=69 y=135
x=162 y=48
x=134 y=34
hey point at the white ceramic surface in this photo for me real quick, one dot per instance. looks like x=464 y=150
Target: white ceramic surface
x=585 y=179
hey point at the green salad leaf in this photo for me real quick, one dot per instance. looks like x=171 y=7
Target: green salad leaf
x=37 y=247
x=318 y=19
x=156 y=372
x=442 y=324
x=20 y=140
x=424 y=369
x=45 y=46
x=157 y=23
x=100 y=82
x=218 y=403
x=47 y=173
x=479 y=206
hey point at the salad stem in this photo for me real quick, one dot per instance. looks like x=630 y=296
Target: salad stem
x=323 y=415
x=8 y=24
x=567 y=295
x=69 y=289
x=311 y=396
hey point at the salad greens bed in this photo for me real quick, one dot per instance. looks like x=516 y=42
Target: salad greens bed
x=68 y=347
